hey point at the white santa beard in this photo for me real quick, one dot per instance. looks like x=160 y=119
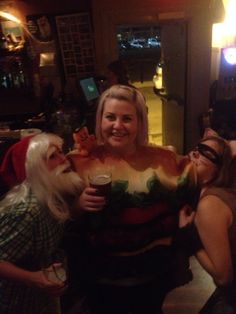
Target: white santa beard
x=65 y=181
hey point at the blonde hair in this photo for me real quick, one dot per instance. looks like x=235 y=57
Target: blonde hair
x=131 y=95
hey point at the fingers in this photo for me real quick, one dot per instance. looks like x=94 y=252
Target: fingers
x=186 y=216
x=91 y=191
x=186 y=209
x=94 y=206
x=56 y=289
x=54 y=286
x=191 y=216
x=94 y=209
x=90 y=201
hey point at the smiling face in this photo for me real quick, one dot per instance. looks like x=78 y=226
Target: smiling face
x=119 y=126
x=207 y=158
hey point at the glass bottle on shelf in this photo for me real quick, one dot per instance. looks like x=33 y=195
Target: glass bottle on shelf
x=3 y=42
x=18 y=75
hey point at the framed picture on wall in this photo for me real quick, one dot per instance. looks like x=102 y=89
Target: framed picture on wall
x=14 y=35
x=12 y=28
x=41 y=27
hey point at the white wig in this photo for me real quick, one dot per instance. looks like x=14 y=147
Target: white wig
x=44 y=183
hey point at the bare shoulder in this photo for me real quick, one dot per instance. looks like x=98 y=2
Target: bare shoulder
x=212 y=208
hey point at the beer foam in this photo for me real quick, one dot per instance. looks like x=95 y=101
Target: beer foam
x=101 y=179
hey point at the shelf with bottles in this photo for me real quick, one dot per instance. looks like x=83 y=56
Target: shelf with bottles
x=12 y=53
x=13 y=73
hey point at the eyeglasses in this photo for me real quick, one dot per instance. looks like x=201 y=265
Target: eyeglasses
x=209 y=153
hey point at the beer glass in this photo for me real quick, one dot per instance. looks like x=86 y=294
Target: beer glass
x=57 y=272
x=101 y=181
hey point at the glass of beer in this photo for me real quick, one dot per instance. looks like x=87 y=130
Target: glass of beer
x=57 y=272
x=101 y=181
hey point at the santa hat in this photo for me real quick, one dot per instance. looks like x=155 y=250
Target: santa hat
x=12 y=168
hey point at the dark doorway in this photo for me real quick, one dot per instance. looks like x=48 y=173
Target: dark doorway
x=140 y=49
x=154 y=53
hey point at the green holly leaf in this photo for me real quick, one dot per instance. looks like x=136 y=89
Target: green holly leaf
x=156 y=189
x=139 y=199
x=120 y=186
x=182 y=181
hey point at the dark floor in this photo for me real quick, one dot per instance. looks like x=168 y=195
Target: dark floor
x=189 y=298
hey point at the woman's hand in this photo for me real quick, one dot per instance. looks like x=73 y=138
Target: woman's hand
x=186 y=216
x=90 y=201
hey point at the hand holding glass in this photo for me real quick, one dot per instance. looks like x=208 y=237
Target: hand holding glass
x=57 y=272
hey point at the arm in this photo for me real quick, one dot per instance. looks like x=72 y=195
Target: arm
x=16 y=234
x=33 y=279
x=12 y=272
x=213 y=218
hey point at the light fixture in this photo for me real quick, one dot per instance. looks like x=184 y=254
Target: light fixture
x=47 y=59
x=217 y=11
x=10 y=17
x=230 y=55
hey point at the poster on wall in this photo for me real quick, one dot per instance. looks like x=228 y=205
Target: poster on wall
x=13 y=33
x=41 y=27
x=13 y=30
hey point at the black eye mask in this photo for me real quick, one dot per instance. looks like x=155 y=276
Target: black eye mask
x=209 y=153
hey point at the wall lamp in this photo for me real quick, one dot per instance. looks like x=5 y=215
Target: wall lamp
x=10 y=17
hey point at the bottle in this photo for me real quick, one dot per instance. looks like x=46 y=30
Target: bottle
x=3 y=42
